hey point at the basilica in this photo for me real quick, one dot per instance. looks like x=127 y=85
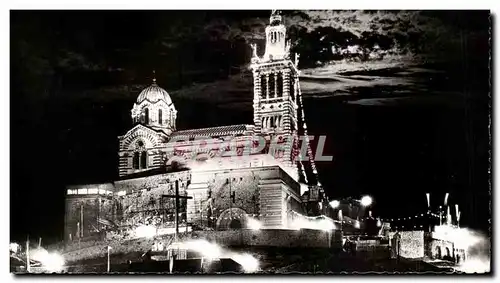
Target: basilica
x=219 y=178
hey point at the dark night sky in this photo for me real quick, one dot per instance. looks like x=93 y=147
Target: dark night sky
x=408 y=114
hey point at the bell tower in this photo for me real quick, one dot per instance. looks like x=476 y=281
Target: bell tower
x=275 y=87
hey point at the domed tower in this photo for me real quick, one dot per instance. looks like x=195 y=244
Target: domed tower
x=154 y=109
x=154 y=116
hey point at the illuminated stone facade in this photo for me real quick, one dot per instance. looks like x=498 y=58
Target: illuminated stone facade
x=227 y=179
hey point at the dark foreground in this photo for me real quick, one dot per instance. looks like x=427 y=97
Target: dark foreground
x=271 y=260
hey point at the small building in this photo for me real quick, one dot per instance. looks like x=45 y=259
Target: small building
x=427 y=245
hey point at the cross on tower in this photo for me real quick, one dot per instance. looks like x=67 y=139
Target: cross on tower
x=177 y=197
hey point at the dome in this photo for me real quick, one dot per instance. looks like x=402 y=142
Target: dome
x=154 y=93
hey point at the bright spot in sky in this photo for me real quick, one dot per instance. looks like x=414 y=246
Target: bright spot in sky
x=366 y=201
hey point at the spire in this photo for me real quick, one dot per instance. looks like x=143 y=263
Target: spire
x=154 y=77
x=275 y=18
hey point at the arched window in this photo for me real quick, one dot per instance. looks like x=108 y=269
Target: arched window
x=272 y=85
x=273 y=37
x=135 y=160
x=146 y=115
x=160 y=116
x=263 y=86
x=292 y=89
x=279 y=83
x=144 y=159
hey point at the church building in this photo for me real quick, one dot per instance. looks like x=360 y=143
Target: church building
x=219 y=178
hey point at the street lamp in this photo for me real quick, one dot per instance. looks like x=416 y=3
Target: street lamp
x=366 y=201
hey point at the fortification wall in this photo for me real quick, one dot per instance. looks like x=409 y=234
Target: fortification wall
x=274 y=238
x=411 y=244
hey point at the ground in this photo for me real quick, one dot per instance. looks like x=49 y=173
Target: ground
x=284 y=261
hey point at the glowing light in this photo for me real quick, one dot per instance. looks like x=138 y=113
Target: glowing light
x=357 y=225
x=211 y=251
x=379 y=223
x=315 y=223
x=205 y=248
x=52 y=262
x=335 y=204
x=475 y=265
x=14 y=247
x=476 y=245
x=249 y=263
x=145 y=231
x=253 y=223
x=366 y=201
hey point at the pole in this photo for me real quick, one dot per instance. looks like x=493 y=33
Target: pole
x=185 y=192
x=440 y=216
x=98 y=212
x=201 y=213
x=109 y=265
x=341 y=218
x=429 y=219
x=230 y=202
x=40 y=242
x=176 y=209
x=28 y=267
x=78 y=233
x=171 y=262
x=81 y=221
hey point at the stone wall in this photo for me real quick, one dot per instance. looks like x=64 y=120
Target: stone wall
x=89 y=208
x=273 y=238
x=154 y=181
x=221 y=199
x=263 y=193
x=441 y=249
x=132 y=202
x=411 y=243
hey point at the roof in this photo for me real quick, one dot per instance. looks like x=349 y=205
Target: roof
x=154 y=93
x=214 y=131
